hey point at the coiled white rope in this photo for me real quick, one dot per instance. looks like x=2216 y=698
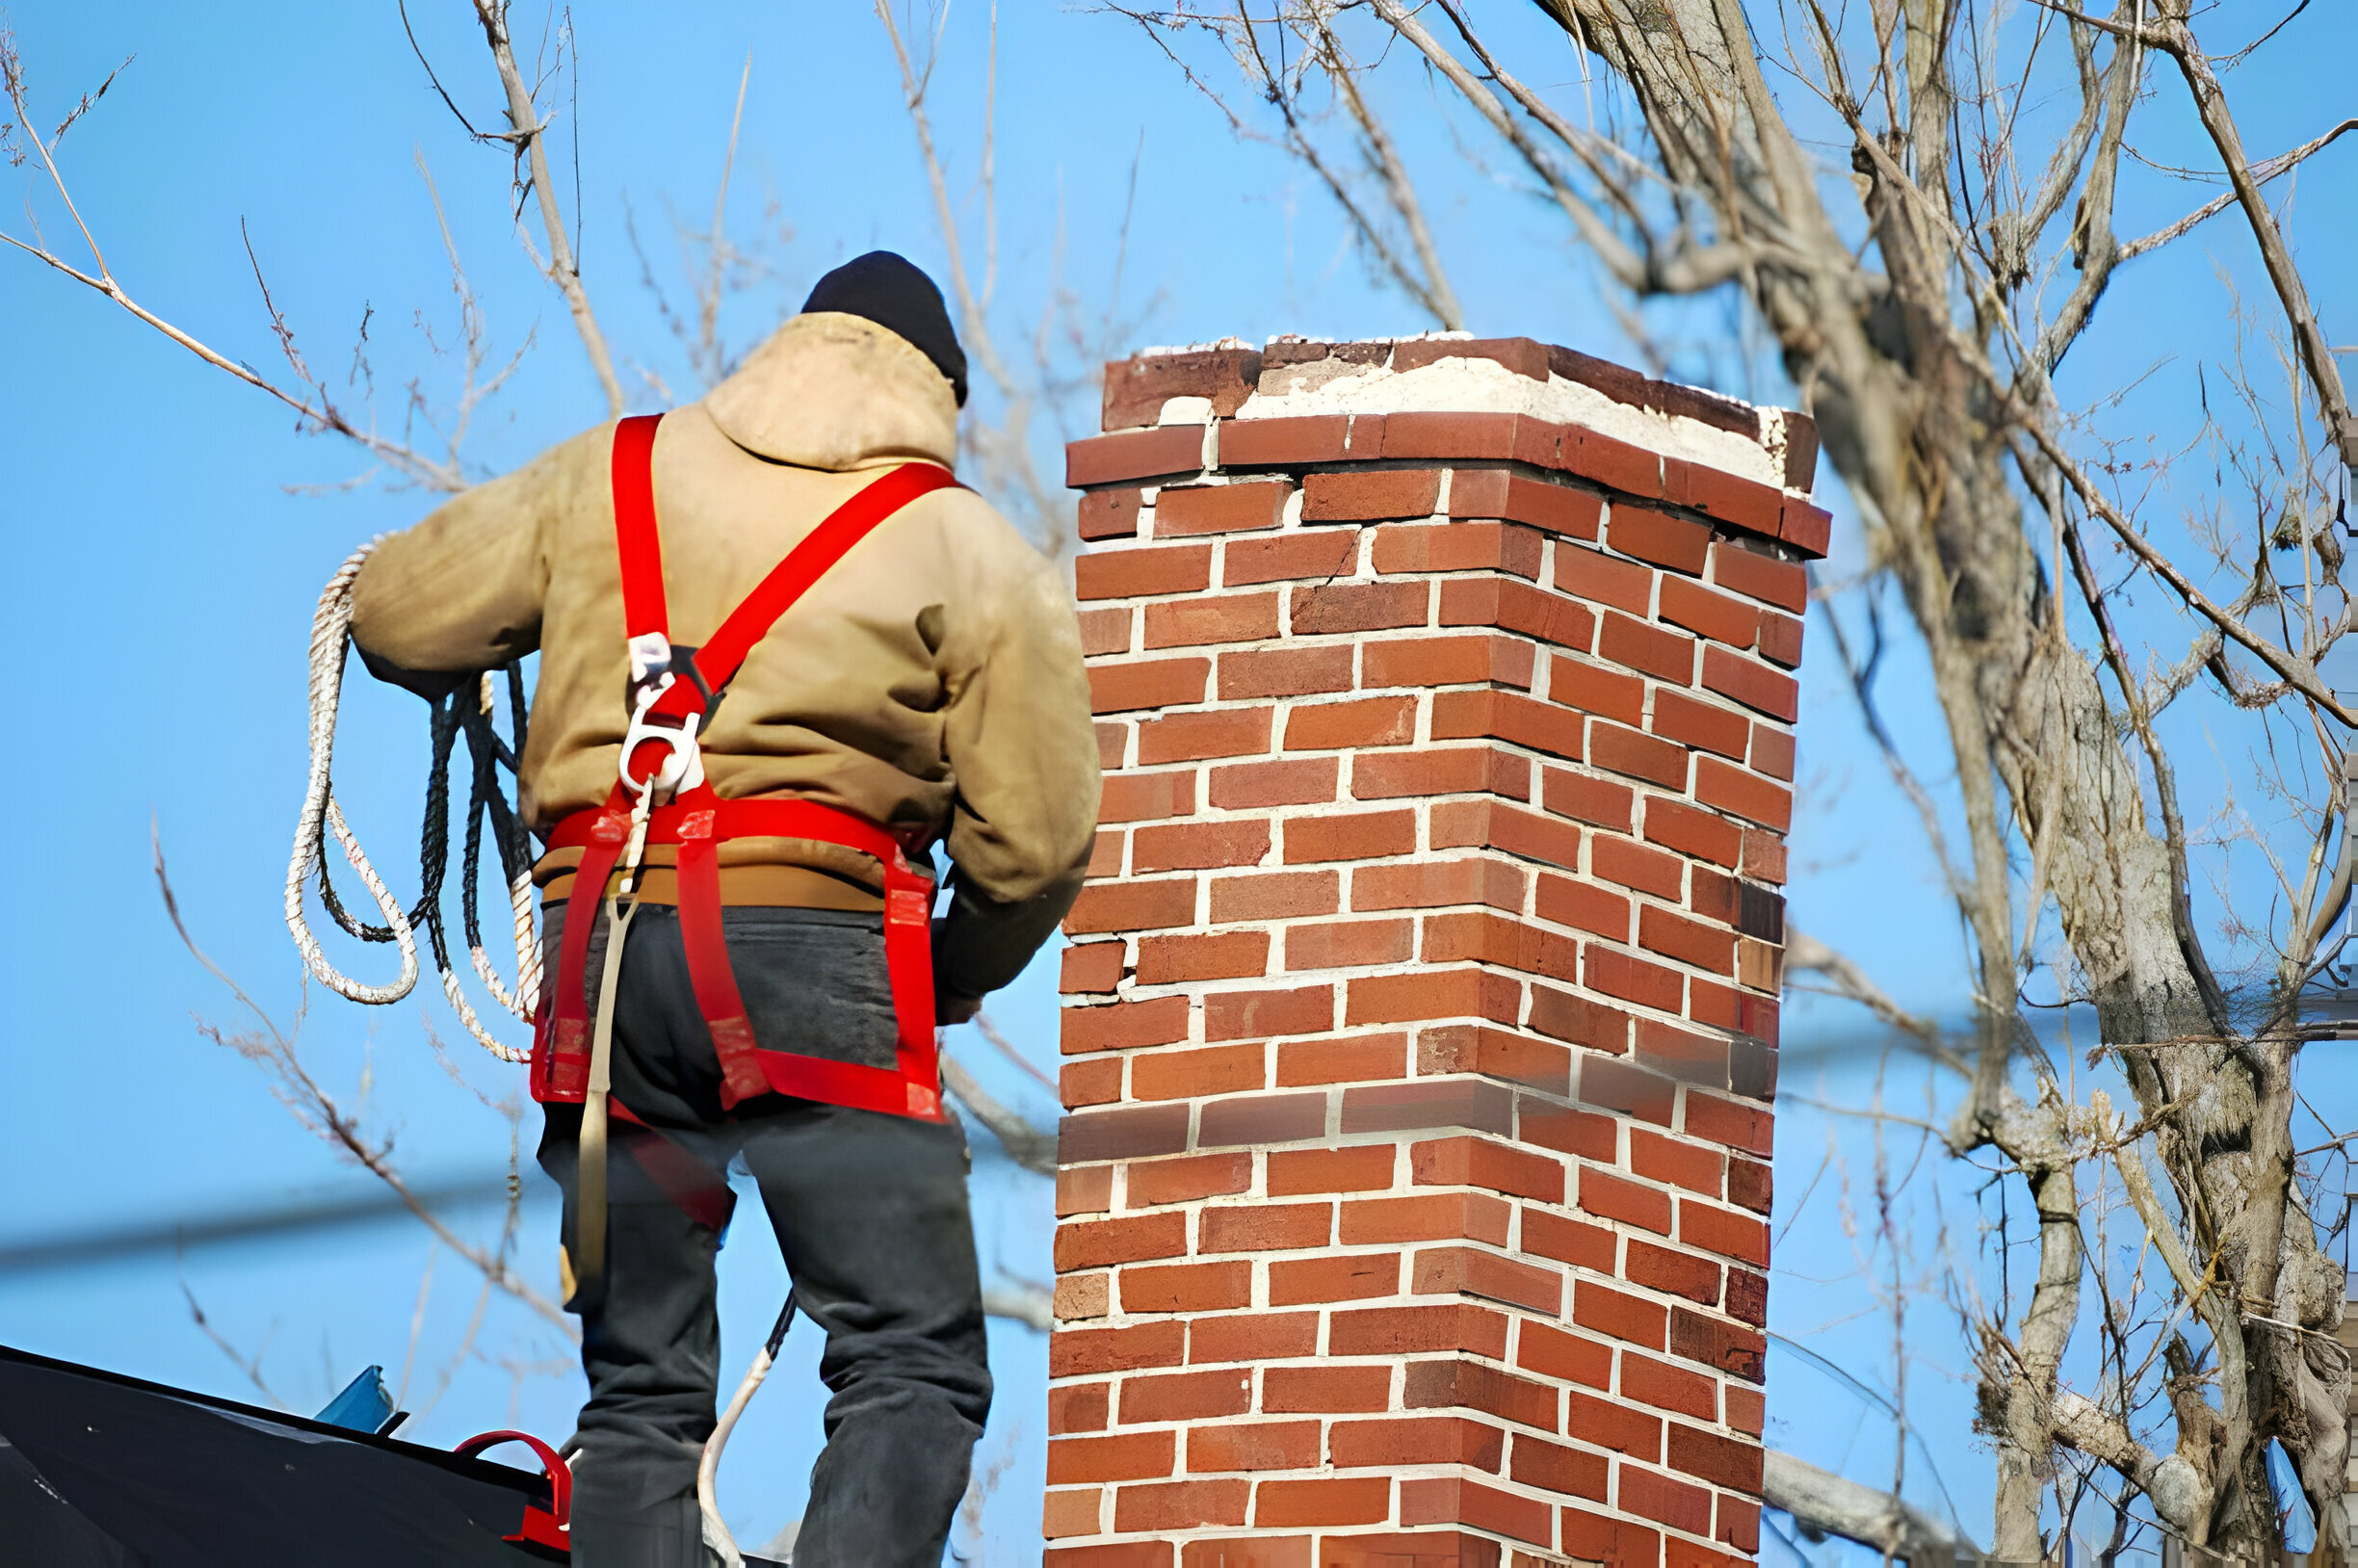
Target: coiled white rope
x=330 y=639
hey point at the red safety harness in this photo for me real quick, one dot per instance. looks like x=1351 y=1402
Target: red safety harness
x=673 y=690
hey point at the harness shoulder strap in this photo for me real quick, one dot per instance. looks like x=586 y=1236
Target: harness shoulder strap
x=637 y=540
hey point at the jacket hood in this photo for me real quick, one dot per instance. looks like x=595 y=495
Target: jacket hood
x=836 y=391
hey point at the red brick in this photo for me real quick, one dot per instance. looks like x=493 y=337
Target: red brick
x=1082 y=1352
x=1436 y=1216
x=1763 y=855
x=1780 y=639
x=1275 y=895
x=1339 y=1500
x=1675 y=1503
x=1447 y=434
x=1256 y=443
x=1650 y=535
x=1676 y=825
x=1078 y=1407
x=1494 y=1052
x=1665 y=1387
x=1773 y=751
x=1108 y=459
x=1587 y=798
x=1219 y=508
x=1560 y=508
x=1265 y=1227
x=1808 y=529
x=1552 y=1352
x=1736 y=1352
x=1746 y=1408
x=1178 y=1075
x=1192 y=736
x=1194 y=1287
x=1084 y=1189
x=1520 y=608
x=1570 y=1132
x=1757 y=686
x=1739 y=502
x=1109 y=514
x=1120 y=1025
x=1758 y=575
x=1091 y=968
x=1434 y=1385
x=1450 y=993
x=1295 y=781
x=1573 y=1472
x=1395 y=1331
x=1132 y=571
x=1151 y=1181
x=1156 y=683
x=1417 y=1440
x=1484 y=937
x=1593 y=574
x=1750 y=1185
x=1137 y=388
x=1184 y=1395
x=1680 y=718
x=1609 y=1197
x=1634 y=866
x=1328 y=943
x=1090 y=1082
x=1690 y=1165
x=1284 y=673
x=1098 y=1242
x=1318 y=554
x=1664 y=655
x=1506 y=716
x=1105 y=631
x=1106 y=855
x=1351 y=1059
x=1258 y=1445
x=1614 y=464
x=1617 y=1086
x=1295 y=1282
x=1673 y=937
x=1266 y=1118
x=1169 y=1506
x=1597 y=1538
x=1429 y=1102
x=1112 y=745
x=1438 y=883
x=1622 y=750
x=1446 y=661
x=1439 y=1500
x=1350 y=836
x=1336 y=727
x=1476 y=1162
x=1716 y=615
x=1430 y=771
x=1743 y=794
x=1722 y=1231
x=1739 y=1528
x=1140 y=797
x=1471 y=1271
x=1618 y=1314
x=1133 y=906
x=1220 y=618
x=1593 y=689
x=1252 y=1336
x=1198 y=846
x=1130 y=1457
x=1585 y=906
x=1370 y=496
x=1358 y=607
x=1361 y=1168
x=1630 y=979
x=1567 y=1240
x=1167 y=961
x=1520 y=354
x=1235 y=1015
x=1456 y=547
x=1324 y=1390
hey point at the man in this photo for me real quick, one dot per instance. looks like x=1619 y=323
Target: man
x=926 y=680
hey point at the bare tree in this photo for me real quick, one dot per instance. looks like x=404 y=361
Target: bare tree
x=1921 y=294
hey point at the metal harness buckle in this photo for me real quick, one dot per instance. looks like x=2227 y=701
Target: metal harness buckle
x=652 y=674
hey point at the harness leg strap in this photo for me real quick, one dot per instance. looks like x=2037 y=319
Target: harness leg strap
x=705 y=943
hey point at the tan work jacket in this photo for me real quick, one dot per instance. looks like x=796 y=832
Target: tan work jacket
x=933 y=677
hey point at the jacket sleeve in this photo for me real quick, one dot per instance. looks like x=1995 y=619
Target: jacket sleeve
x=463 y=590
x=1023 y=749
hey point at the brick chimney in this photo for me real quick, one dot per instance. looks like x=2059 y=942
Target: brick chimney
x=1420 y=1023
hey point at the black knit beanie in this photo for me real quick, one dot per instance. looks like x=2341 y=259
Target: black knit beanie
x=890 y=291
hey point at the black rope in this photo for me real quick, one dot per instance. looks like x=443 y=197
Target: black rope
x=488 y=753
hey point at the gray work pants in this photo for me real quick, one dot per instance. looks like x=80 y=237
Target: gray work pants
x=871 y=1214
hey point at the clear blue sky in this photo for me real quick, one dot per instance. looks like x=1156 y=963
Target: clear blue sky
x=167 y=536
